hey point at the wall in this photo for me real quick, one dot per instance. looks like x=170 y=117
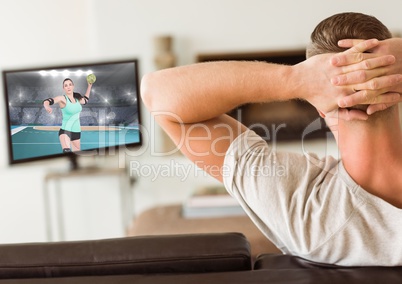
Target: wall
x=35 y=33
x=54 y=32
x=126 y=27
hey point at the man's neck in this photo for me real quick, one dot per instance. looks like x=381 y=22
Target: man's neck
x=371 y=153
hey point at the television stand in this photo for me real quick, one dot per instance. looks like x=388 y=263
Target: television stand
x=92 y=183
x=73 y=162
x=75 y=165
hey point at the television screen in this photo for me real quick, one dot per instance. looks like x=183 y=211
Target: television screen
x=55 y=111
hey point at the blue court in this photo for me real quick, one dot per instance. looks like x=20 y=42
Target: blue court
x=36 y=141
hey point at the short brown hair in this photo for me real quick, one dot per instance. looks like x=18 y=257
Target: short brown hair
x=350 y=25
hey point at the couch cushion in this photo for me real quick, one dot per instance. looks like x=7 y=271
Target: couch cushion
x=266 y=276
x=132 y=255
x=282 y=261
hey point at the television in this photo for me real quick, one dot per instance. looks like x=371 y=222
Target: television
x=109 y=116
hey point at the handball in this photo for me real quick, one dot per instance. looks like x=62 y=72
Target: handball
x=91 y=78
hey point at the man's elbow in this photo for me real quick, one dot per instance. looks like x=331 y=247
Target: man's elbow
x=148 y=91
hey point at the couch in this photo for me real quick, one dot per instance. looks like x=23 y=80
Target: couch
x=188 y=258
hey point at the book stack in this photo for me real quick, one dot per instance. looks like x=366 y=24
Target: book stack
x=211 y=202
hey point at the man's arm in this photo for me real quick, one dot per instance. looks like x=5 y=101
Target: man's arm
x=203 y=91
x=190 y=102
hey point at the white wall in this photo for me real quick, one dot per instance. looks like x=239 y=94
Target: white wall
x=126 y=27
x=55 y=32
x=34 y=33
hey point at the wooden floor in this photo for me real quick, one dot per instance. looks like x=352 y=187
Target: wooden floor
x=165 y=220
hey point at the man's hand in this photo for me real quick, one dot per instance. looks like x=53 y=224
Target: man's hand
x=332 y=78
x=374 y=72
x=381 y=106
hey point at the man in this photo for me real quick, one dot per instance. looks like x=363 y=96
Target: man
x=343 y=212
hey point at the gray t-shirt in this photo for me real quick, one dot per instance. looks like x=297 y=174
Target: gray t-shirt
x=311 y=207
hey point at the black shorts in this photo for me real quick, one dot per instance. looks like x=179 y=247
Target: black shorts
x=73 y=135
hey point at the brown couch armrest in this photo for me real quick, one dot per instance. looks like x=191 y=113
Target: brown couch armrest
x=132 y=255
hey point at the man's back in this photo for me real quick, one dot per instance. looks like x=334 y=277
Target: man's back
x=311 y=207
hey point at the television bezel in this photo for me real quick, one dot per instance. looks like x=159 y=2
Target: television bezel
x=72 y=155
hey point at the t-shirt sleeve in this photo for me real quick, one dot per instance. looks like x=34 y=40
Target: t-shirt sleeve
x=279 y=191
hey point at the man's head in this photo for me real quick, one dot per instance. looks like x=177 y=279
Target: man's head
x=325 y=37
x=348 y=25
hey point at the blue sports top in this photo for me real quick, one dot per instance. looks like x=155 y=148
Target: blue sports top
x=71 y=116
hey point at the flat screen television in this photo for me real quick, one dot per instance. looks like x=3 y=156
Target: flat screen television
x=110 y=118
